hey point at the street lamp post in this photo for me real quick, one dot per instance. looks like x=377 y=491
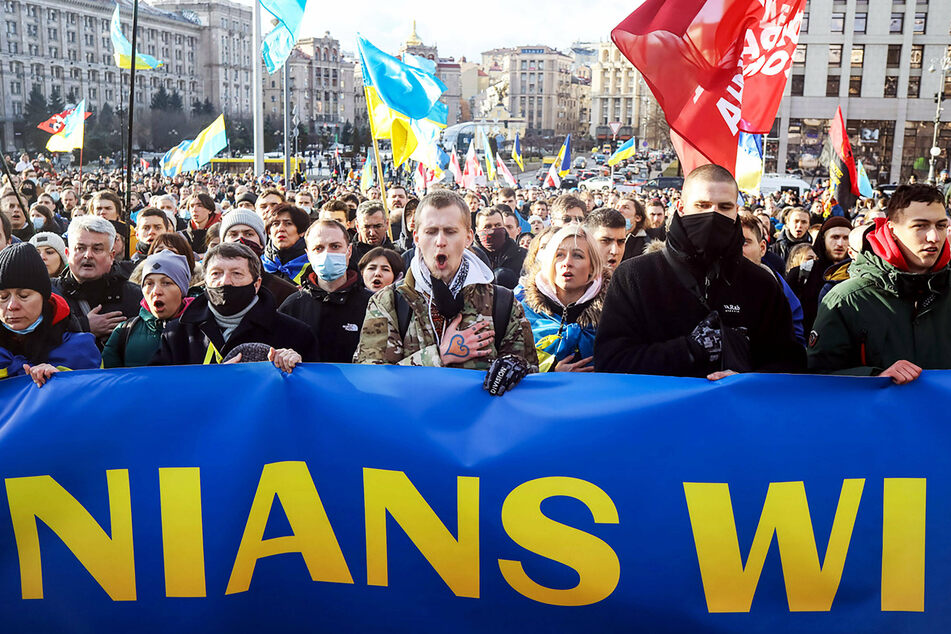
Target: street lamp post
x=944 y=66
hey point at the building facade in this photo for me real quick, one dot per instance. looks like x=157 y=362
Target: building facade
x=538 y=86
x=63 y=46
x=448 y=70
x=872 y=57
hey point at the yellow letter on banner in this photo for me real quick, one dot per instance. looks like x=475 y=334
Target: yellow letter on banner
x=108 y=559
x=455 y=560
x=182 y=541
x=728 y=586
x=595 y=562
x=313 y=536
x=903 y=545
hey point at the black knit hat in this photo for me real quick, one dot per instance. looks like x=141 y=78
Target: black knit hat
x=22 y=267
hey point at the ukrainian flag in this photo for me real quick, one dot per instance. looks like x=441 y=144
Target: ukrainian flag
x=71 y=136
x=402 y=102
x=366 y=176
x=749 y=162
x=122 y=49
x=517 y=153
x=625 y=151
x=277 y=44
x=191 y=155
x=564 y=158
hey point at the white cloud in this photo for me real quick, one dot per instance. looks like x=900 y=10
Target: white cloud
x=465 y=28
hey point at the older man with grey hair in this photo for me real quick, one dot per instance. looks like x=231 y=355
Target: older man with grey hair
x=97 y=294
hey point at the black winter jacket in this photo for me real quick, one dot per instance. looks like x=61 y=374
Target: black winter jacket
x=112 y=291
x=509 y=257
x=784 y=244
x=335 y=318
x=648 y=314
x=186 y=341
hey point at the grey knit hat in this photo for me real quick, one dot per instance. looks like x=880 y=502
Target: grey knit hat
x=168 y=263
x=242 y=217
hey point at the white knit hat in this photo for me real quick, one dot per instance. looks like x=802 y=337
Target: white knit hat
x=50 y=239
x=247 y=217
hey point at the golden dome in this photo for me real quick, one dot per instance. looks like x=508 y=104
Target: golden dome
x=413 y=39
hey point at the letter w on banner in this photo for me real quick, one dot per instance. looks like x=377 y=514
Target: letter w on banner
x=716 y=67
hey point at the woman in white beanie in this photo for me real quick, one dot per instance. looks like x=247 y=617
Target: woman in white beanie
x=53 y=251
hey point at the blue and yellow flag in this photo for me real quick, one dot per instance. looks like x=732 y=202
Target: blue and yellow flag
x=517 y=152
x=191 y=155
x=366 y=176
x=122 y=49
x=749 y=162
x=624 y=151
x=865 y=185
x=277 y=44
x=396 y=92
x=71 y=136
x=564 y=158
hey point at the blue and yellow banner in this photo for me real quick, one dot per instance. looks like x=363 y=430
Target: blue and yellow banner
x=344 y=498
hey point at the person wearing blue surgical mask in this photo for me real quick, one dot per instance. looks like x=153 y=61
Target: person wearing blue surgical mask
x=332 y=299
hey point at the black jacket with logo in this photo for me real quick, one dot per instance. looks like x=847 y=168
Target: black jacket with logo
x=188 y=340
x=649 y=313
x=335 y=318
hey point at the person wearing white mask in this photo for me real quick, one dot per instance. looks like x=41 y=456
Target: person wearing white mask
x=332 y=300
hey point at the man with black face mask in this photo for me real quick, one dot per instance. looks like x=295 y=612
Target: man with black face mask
x=698 y=308
x=246 y=227
x=502 y=253
x=234 y=310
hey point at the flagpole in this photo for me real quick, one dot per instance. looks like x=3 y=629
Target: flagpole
x=379 y=165
x=132 y=64
x=287 y=129
x=257 y=90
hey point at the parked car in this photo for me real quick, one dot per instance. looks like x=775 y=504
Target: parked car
x=599 y=183
x=569 y=182
x=580 y=162
x=771 y=183
x=663 y=182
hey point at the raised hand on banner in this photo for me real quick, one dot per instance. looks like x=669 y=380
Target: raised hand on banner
x=716 y=376
x=902 y=372
x=40 y=373
x=284 y=359
x=569 y=365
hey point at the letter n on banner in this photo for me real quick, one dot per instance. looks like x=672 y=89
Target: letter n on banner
x=729 y=586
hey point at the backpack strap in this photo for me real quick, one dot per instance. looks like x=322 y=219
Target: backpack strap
x=501 y=313
x=125 y=333
x=403 y=313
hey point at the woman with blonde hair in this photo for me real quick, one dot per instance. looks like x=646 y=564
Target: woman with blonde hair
x=563 y=297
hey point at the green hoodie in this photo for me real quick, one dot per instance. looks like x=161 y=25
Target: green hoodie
x=879 y=316
x=142 y=343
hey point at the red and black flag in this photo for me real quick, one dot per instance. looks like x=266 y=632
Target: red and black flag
x=716 y=67
x=56 y=123
x=843 y=179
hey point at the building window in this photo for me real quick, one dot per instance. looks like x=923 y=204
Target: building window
x=917 y=54
x=835 y=55
x=894 y=56
x=11 y=28
x=861 y=19
x=914 y=87
x=858 y=55
x=799 y=55
x=805 y=23
x=855 y=86
x=838 y=23
x=897 y=24
x=15 y=88
x=797 y=85
x=891 y=86
x=832 y=86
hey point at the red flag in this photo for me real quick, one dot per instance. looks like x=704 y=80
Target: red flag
x=56 y=123
x=504 y=171
x=844 y=181
x=455 y=168
x=716 y=67
x=473 y=168
x=143 y=164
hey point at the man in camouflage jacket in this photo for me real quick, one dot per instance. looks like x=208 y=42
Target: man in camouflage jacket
x=451 y=298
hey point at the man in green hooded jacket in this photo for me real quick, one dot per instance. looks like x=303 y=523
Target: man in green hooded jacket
x=891 y=318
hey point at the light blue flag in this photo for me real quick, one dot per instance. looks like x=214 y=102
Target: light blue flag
x=865 y=185
x=423 y=64
x=277 y=44
x=406 y=89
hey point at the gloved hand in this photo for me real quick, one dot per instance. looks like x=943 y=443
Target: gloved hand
x=505 y=373
x=704 y=341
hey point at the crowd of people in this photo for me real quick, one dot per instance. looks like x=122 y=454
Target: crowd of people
x=209 y=268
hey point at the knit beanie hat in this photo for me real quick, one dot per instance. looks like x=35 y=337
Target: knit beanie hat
x=243 y=217
x=50 y=239
x=22 y=267
x=171 y=264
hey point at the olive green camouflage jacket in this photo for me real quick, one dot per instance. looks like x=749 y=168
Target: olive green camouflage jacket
x=380 y=341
